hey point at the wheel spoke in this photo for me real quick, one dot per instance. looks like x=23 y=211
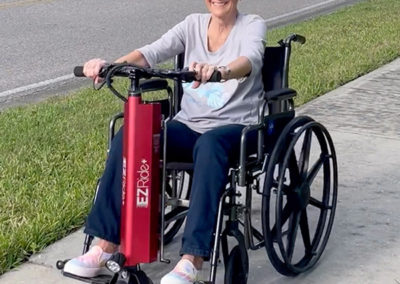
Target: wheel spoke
x=305 y=153
x=180 y=188
x=319 y=204
x=294 y=170
x=293 y=226
x=305 y=230
x=284 y=217
x=315 y=169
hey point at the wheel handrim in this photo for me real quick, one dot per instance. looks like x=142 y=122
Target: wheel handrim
x=292 y=202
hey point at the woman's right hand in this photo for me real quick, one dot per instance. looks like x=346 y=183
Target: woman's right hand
x=203 y=72
x=92 y=68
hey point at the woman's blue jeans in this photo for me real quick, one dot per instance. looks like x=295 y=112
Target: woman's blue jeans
x=212 y=153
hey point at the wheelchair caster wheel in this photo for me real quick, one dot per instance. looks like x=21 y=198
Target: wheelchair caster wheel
x=133 y=277
x=61 y=263
x=141 y=278
x=299 y=196
x=237 y=267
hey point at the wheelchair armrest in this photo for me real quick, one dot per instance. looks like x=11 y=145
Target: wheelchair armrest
x=153 y=85
x=243 y=153
x=280 y=94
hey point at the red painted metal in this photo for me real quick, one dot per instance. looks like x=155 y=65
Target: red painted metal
x=140 y=182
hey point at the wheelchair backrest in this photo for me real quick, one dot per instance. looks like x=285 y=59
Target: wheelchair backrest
x=274 y=73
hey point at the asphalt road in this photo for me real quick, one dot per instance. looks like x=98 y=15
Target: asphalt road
x=41 y=40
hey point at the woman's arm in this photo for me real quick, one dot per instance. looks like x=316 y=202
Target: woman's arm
x=92 y=68
x=239 y=68
x=134 y=57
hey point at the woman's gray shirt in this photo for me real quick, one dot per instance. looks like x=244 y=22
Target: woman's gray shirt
x=215 y=104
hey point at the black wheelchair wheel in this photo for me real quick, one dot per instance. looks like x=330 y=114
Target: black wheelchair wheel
x=300 y=193
x=237 y=267
x=133 y=277
x=141 y=278
x=175 y=215
x=173 y=223
x=61 y=263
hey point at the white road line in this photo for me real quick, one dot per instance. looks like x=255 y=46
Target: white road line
x=299 y=11
x=67 y=77
x=36 y=85
x=21 y=3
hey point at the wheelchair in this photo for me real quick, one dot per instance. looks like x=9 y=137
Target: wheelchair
x=294 y=172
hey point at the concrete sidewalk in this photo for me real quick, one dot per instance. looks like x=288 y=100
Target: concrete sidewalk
x=364 y=247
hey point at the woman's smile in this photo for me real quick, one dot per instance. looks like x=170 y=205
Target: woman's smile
x=219 y=3
x=222 y=8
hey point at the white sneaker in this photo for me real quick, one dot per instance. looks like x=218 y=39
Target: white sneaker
x=183 y=273
x=89 y=265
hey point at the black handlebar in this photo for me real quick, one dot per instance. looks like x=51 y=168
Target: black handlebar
x=126 y=70
x=215 y=77
x=135 y=73
x=78 y=71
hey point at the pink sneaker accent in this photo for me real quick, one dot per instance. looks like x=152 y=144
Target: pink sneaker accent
x=89 y=265
x=183 y=273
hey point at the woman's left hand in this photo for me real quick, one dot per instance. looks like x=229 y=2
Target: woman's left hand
x=203 y=72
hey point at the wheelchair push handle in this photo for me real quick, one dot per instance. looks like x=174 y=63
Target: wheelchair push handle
x=298 y=38
x=292 y=38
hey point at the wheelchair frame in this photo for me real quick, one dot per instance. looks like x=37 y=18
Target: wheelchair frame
x=286 y=193
x=280 y=110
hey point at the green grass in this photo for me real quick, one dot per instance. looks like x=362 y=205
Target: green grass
x=52 y=153
x=342 y=46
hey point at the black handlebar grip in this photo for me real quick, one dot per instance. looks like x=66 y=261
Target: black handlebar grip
x=215 y=77
x=78 y=71
x=300 y=39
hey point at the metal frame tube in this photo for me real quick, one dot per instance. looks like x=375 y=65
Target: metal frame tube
x=163 y=190
x=217 y=238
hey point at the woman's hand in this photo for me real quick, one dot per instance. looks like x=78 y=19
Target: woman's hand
x=203 y=72
x=92 y=68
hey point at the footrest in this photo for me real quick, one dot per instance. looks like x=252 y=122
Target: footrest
x=101 y=279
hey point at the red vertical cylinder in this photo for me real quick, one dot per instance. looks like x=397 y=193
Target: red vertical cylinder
x=140 y=182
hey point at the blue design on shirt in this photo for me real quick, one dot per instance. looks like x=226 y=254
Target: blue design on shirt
x=214 y=95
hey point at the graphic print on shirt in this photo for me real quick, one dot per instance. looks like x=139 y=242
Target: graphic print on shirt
x=213 y=95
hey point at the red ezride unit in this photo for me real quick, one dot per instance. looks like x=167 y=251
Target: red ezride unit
x=140 y=181
x=140 y=208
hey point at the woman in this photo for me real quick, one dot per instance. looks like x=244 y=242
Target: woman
x=206 y=131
